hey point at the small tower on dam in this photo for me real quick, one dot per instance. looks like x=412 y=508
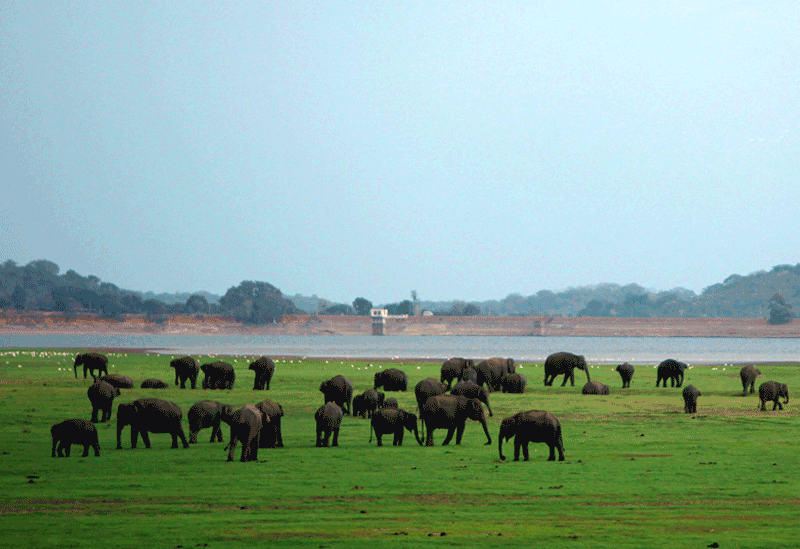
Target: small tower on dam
x=379 y=317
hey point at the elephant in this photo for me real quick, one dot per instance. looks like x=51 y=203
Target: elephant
x=118 y=381
x=492 y=371
x=424 y=390
x=690 y=394
x=366 y=403
x=391 y=402
x=772 y=390
x=749 y=374
x=470 y=389
x=186 y=368
x=328 y=418
x=626 y=373
x=246 y=424
x=531 y=426
x=153 y=383
x=672 y=370
x=338 y=389
x=595 y=388
x=453 y=368
x=74 y=431
x=101 y=395
x=91 y=362
x=271 y=414
x=451 y=412
x=264 y=367
x=204 y=414
x=218 y=375
x=514 y=383
x=564 y=363
x=469 y=374
x=150 y=415
x=392 y=379
x=393 y=421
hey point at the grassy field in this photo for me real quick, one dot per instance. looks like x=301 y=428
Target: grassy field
x=638 y=471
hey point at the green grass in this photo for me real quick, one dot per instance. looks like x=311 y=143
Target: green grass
x=638 y=471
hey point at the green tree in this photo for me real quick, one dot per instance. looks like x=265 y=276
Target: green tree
x=362 y=306
x=780 y=312
x=197 y=304
x=19 y=297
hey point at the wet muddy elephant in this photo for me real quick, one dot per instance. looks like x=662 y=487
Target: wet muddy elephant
x=531 y=426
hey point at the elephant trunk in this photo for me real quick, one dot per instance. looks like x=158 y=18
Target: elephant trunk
x=416 y=434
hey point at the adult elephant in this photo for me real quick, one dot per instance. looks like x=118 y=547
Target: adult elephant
x=271 y=432
x=470 y=389
x=492 y=371
x=328 y=419
x=393 y=421
x=531 y=426
x=749 y=374
x=424 y=390
x=366 y=403
x=118 y=380
x=514 y=383
x=671 y=370
x=690 y=394
x=469 y=374
x=564 y=364
x=391 y=379
x=205 y=414
x=186 y=369
x=153 y=383
x=773 y=391
x=595 y=388
x=245 y=424
x=451 y=412
x=338 y=389
x=74 y=431
x=218 y=375
x=626 y=373
x=264 y=367
x=150 y=415
x=391 y=402
x=453 y=369
x=101 y=395
x=91 y=362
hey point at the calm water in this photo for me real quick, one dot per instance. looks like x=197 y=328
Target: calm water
x=610 y=350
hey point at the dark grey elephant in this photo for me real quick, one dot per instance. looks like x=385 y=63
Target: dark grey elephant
x=773 y=391
x=391 y=379
x=186 y=369
x=271 y=432
x=451 y=412
x=328 y=419
x=690 y=394
x=453 y=369
x=671 y=370
x=74 y=431
x=150 y=415
x=531 y=426
x=245 y=424
x=393 y=421
x=101 y=395
x=117 y=380
x=338 y=389
x=424 y=390
x=205 y=414
x=264 y=368
x=91 y=362
x=469 y=374
x=564 y=364
x=492 y=371
x=626 y=373
x=514 y=383
x=218 y=375
x=470 y=389
x=153 y=383
x=595 y=388
x=365 y=404
x=749 y=374
x=391 y=402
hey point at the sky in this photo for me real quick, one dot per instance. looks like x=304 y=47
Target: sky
x=465 y=150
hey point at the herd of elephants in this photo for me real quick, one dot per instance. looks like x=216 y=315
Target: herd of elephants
x=459 y=394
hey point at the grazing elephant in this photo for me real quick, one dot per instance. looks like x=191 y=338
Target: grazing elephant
x=393 y=421
x=338 y=389
x=153 y=383
x=328 y=418
x=218 y=375
x=595 y=388
x=391 y=379
x=672 y=370
x=531 y=426
x=264 y=367
x=271 y=414
x=564 y=363
x=366 y=403
x=118 y=381
x=101 y=395
x=772 y=391
x=690 y=394
x=246 y=424
x=749 y=374
x=424 y=390
x=186 y=369
x=470 y=389
x=204 y=414
x=626 y=373
x=453 y=369
x=451 y=412
x=74 y=431
x=91 y=362
x=514 y=383
x=151 y=415
x=391 y=402
x=493 y=370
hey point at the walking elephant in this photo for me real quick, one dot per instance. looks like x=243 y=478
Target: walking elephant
x=218 y=375
x=690 y=394
x=626 y=373
x=150 y=415
x=453 y=369
x=514 y=383
x=271 y=433
x=470 y=389
x=531 y=426
x=101 y=395
x=749 y=374
x=393 y=421
x=186 y=369
x=91 y=362
x=773 y=391
x=595 y=388
x=424 y=390
x=451 y=412
x=366 y=403
x=245 y=424
x=492 y=371
x=671 y=370
x=328 y=419
x=264 y=367
x=205 y=414
x=74 y=431
x=338 y=389
x=153 y=383
x=392 y=379
x=564 y=364
x=118 y=381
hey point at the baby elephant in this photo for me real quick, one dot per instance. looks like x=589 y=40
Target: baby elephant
x=690 y=394
x=74 y=431
x=595 y=388
x=328 y=418
x=772 y=391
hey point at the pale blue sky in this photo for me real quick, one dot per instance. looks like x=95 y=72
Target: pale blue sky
x=467 y=150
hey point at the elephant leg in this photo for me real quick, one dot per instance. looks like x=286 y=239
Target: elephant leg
x=134 y=437
x=278 y=435
x=335 y=437
x=86 y=449
x=146 y=438
x=179 y=432
x=174 y=439
x=460 y=432
x=232 y=445
x=525 y=454
x=379 y=437
x=94 y=414
x=429 y=435
x=67 y=448
x=517 y=447
x=450 y=432
x=193 y=436
x=553 y=453
x=398 y=437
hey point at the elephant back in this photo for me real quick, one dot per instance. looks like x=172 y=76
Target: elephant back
x=118 y=381
x=153 y=383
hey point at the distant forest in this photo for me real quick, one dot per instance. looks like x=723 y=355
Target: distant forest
x=39 y=286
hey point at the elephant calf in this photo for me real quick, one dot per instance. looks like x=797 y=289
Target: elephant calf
x=246 y=424
x=153 y=383
x=690 y=394
x=204 y=414
x=101 y=395
x=626 y=373
x=773 y=391
x=74 y=431
x=328 y=418
x=595 y=388
x=749 y=374
x=532 y=426
x=393 y=421
x=150 y=415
